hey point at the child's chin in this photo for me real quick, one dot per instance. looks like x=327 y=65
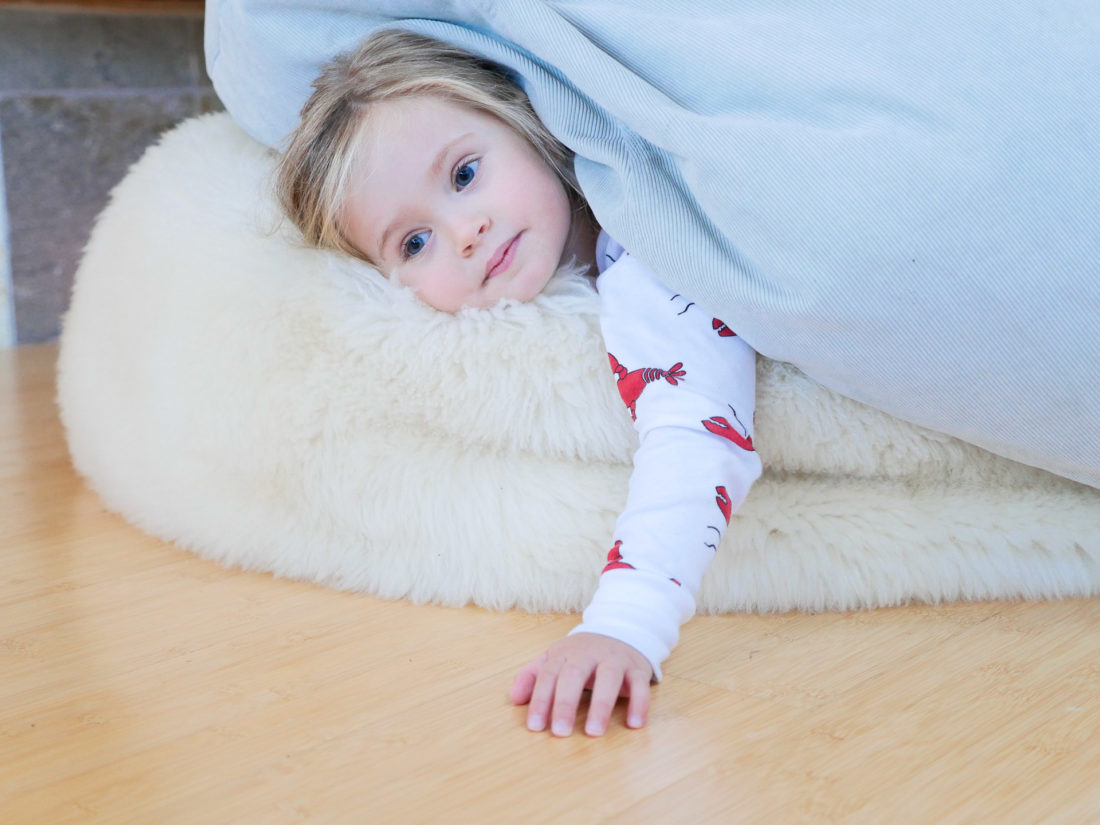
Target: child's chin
x=529 y=285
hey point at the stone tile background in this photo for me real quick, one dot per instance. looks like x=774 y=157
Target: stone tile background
x=82 y=95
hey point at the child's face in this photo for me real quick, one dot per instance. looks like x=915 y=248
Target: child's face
x=460 y=206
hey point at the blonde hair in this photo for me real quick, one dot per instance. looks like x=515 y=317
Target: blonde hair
x=313 y=173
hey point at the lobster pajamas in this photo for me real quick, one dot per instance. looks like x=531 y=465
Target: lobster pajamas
x=689 y=383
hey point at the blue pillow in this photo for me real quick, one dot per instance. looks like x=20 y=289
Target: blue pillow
x=904 y=202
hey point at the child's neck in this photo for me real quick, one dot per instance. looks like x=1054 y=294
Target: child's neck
x=581 y=245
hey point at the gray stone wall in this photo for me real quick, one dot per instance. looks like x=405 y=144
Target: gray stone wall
x=82 y=95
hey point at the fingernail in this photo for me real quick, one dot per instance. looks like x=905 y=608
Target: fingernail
x=593 y=728
x=535 y=723
x=634 y=721
x=562 y=728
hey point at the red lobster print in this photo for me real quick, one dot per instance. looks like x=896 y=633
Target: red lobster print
x=615 y=559
x=632 y=383
x=725 y=503
x=722 y=330
x=615 y=562
x=721 y=426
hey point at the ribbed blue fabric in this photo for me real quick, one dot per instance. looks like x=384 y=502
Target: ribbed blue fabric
x=902 y=201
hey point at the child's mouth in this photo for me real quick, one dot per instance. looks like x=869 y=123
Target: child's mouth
x=502 y=258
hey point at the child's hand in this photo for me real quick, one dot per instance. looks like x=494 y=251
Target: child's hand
x=608 y=667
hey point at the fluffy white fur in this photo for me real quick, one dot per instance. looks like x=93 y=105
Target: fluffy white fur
x=284 y=409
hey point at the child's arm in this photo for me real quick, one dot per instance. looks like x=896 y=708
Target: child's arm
x=690 y=383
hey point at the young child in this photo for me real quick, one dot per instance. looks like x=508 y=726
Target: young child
x=430 y=164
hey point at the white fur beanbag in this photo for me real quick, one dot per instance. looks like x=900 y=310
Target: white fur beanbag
x=280 y=408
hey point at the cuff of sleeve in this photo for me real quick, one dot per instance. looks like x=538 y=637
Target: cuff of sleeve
x=640 y=609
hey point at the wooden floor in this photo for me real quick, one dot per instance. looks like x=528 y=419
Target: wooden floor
x=141 y=684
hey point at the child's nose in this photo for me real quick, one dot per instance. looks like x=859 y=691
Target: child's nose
x=471 y=233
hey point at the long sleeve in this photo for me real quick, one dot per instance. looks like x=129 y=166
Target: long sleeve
x=689 y=382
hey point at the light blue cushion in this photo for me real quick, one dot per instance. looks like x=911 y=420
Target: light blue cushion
x=903 y=201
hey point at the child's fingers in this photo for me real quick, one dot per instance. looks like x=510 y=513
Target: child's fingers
x=524 y=683
x=637 y=708
x=567 y=698
x=538 y=709
x=605 y=693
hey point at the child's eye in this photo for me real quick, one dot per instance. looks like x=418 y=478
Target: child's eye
x=465 y=173
x=414 y=244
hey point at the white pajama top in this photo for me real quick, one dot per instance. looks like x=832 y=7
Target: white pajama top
x=689 y=382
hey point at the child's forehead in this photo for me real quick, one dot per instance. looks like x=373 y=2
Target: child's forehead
x=419 y=129
x=406 y=132
x=421 y=112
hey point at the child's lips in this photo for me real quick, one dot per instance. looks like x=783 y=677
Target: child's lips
x=502 y=258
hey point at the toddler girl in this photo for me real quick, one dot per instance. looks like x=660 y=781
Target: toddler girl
x=431 y=165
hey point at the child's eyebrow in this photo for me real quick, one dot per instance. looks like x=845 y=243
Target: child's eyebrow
x=434 y=171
